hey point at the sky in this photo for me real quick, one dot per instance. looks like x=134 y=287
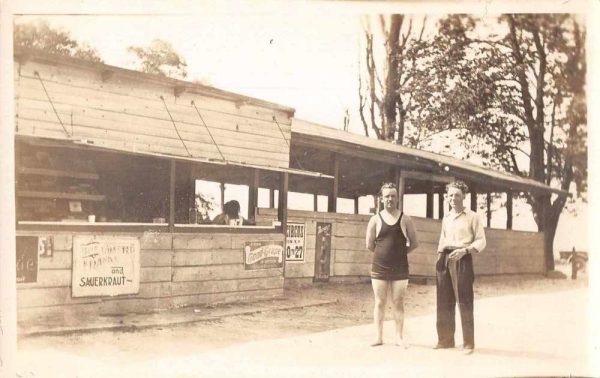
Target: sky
x=302 y=55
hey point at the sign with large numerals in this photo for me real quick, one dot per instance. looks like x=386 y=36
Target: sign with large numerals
x=294 y=242
x=105 y=265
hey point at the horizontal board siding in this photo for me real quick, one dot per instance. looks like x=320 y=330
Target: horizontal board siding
x=90 y=111
x=350 y=256
x=299 y=270
x=138 y=142
x=192 y=258
x=215 y=298
x=225 y=131
x=58 y=260
x=202 y=242
x=220 y=272
x=506 y=252
x=142 y=89
x=226 y=286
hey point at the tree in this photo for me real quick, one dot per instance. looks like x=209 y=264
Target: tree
x=517 y=100
x=39 y=35
x=391 y=103
x=160 y=58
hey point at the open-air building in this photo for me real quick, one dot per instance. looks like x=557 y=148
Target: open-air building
x=108 y=162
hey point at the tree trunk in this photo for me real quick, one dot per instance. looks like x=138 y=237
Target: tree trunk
x=392 y=82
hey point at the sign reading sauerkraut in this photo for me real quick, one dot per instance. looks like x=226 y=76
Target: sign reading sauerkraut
x=105 y=266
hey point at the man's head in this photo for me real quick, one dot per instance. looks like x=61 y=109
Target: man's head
x=456 y=192
x=389 y=195
x=232 y=208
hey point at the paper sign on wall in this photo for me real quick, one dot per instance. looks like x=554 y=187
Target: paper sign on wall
x=294 y=242
x=105 y=266
x=263 y=255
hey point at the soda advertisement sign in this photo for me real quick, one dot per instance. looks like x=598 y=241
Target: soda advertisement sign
x=263 y=255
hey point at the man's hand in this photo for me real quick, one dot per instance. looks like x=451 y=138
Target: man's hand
x=457 y=254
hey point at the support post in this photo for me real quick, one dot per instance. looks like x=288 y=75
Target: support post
x=253 y=195
x=355 y=205
x=172 y=197
x=509 y=210
x=473 y=199
x=400 y=183
x=282 y=210
x=315 y=202
x=429 y=211
x=332 y=203
x=441 y=204
x=272 y=198
x=222 y=186
x=488 y=200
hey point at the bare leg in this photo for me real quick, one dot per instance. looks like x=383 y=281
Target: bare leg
x=380 y=289
x=398 y=292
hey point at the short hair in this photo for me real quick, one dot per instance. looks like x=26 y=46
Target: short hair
x=387 y=185
x=231 y=208
x=458 y=184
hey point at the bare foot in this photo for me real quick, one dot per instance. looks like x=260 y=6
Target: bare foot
x=376 y=343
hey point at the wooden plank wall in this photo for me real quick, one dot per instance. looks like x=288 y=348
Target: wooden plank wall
x=128 y=113
x=507 y=252
x=176 y=270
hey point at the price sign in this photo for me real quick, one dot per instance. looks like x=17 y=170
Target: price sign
x=294 y=245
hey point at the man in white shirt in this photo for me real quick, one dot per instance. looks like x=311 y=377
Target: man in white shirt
x=462 y=234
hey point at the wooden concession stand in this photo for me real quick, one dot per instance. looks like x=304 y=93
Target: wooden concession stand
x=107 y=161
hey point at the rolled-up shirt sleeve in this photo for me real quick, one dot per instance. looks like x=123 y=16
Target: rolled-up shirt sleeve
x=479 y=242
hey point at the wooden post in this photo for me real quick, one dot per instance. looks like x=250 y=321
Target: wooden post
x=332 y=200
x=441 y=204
x=272 y=198
x=509 y=210
x=282 y=210
x=488 y=200
x=399 y=180
x=315 y=202
x=355 y=205
x=473 y=200
x=253 y=195
x=172 y=197
x=429 y=210
x=222 y=186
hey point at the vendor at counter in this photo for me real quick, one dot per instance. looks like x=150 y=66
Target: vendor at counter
x=231 y=215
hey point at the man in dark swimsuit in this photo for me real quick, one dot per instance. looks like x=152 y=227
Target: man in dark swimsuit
x=391 y=236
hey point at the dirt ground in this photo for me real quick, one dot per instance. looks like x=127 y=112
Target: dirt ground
x=353 y=306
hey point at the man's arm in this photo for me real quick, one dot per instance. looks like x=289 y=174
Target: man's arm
x=442 y=243
x=479 y=242
x=370 y=239
x=411 y=234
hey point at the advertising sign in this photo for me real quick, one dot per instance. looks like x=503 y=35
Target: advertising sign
x=105 y=266
x=322 y=251
x=263 y=255
x=294 y=242
x=27 y=259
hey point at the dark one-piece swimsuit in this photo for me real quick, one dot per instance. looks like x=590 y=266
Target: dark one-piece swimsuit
x=390 y=261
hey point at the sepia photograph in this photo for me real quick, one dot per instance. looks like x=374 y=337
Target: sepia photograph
x=298 y=188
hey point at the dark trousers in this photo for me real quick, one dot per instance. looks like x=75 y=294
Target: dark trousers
x=454 y=281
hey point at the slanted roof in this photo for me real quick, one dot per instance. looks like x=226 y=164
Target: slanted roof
x=310 y=139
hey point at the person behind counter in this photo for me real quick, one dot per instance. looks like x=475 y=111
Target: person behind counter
x=231 y=215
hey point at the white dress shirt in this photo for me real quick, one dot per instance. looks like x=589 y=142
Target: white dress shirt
x=462 y=230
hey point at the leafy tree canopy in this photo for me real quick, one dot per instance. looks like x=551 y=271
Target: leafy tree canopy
x=160 y=58
x=39 y=35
